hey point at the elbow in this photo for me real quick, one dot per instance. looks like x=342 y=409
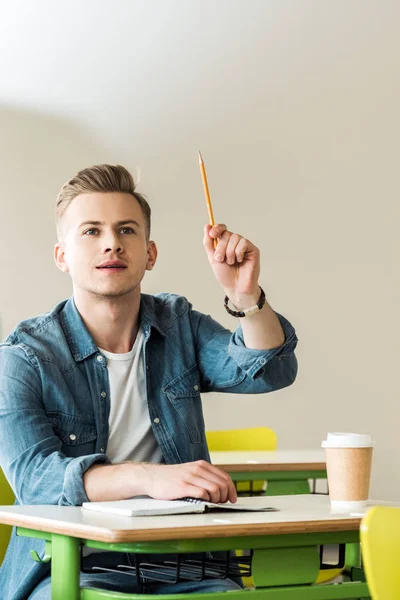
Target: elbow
x=281 y=372
x=290 y=370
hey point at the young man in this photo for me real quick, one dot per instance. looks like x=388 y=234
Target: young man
x=100 y=398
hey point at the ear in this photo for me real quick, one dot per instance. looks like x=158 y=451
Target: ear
x=59 y=257
x=152 y=253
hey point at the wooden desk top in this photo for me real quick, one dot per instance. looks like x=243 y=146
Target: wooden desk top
x=297 y=514
x=272 y=460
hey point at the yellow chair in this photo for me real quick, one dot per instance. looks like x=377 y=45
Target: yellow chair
x=250 y=439
x=6 y=497
x=380 y=545
x=254 y=439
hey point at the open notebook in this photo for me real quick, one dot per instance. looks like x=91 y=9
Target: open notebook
x=141 y=507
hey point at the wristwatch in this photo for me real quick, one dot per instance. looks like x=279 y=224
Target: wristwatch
x=246 y=312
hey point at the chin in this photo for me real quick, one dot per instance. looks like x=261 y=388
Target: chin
x=115 y=292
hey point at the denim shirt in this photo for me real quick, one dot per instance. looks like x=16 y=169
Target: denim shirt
x=55 y=402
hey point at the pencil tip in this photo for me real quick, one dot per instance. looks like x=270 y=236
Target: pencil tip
x=200 y=157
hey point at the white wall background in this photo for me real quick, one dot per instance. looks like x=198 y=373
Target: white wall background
x=294 y=105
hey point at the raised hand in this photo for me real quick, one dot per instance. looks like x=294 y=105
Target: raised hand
x=235 y=262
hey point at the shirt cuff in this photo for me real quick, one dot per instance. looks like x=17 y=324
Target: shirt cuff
x=252 y=361
x=74 y=491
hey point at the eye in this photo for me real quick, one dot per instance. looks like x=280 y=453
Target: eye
x=91 y=231
x=126 y=230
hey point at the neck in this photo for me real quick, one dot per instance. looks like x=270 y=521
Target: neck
x=113 y=322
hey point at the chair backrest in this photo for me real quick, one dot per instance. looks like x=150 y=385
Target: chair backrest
x=6 y=497
x=380 y=543
x=253 y=438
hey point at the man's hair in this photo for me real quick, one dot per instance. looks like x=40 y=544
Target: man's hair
x=104 y=179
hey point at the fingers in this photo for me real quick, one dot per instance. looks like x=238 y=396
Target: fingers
x=231 y=247
x=211 y=235
x=215 y=482
x=208 y=243
x=208 y=489
x=217 y=230
x=187 y=490
x=197 y=479
x=241 y=249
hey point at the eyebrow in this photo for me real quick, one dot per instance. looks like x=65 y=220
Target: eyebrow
x=118 y=223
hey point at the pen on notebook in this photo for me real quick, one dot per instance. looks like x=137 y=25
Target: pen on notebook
x=207 y=194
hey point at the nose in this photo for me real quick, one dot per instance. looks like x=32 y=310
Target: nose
x=112 y=243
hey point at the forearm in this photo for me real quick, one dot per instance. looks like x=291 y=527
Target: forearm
x=197 y=479
x=115 y=482
x=261 y=331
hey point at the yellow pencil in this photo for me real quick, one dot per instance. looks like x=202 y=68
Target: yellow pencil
x=207 y=194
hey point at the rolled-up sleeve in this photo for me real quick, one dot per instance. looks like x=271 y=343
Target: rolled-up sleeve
x=30 y=452
x=227 y=365
x=254 y=361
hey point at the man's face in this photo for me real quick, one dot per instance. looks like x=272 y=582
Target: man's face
x=103 y=244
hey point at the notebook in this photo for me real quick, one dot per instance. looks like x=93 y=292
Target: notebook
x=141 y=507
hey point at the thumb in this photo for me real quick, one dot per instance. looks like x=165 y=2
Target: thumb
x=208 y=243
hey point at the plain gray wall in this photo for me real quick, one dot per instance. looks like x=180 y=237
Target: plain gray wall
x=295 y=108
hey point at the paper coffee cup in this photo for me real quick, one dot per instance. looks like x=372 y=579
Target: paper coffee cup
x=348 y=464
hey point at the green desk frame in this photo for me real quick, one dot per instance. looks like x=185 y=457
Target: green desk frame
x=284 y=565
x=280 y=482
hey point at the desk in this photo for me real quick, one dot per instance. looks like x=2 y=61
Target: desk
x=285 y=543
x=287 y=471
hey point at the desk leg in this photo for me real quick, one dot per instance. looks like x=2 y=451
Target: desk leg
x=65 y=567
x=353 y=555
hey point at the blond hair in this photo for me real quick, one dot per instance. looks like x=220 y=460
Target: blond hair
x=104 y=179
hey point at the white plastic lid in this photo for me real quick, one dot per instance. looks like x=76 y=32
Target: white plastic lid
x=347 y=440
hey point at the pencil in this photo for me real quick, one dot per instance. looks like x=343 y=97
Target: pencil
x=207 y=194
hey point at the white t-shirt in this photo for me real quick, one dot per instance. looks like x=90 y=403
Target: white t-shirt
x=130 y=433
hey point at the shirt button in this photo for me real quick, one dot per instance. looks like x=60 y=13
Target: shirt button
x=156 y=420
x=196 y=387
x=99 y=357
x=103 y=394
x=72 y=437
x=262 y=361
x=101 y=449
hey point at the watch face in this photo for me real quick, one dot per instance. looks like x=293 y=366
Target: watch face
x=251 y=311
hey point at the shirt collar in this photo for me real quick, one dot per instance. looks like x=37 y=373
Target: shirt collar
x=149 y=316
x=78 y=337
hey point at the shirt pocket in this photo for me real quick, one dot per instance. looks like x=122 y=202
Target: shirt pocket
x=78 y=435
x=183 y=393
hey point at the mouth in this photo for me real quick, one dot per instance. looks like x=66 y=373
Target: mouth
x=112 y=268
